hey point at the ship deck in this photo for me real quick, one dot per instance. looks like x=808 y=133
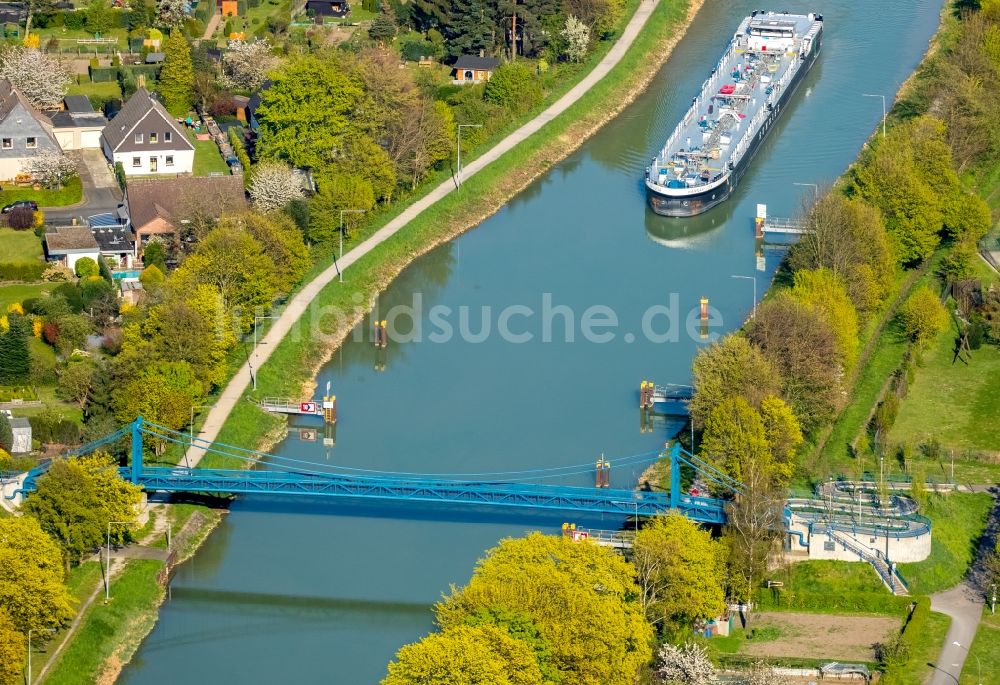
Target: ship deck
x=733 y=103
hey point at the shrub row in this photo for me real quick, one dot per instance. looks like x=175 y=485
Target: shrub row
x=860 y=602
x=54 y=429
x=26 y=271
x=897 y=654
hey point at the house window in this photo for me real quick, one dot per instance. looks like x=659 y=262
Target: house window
x=169 y=161
x=8 y=143
x=137 y=161
x=138 y=137
x=152 y=137
x=32 y=142
x=167 y=137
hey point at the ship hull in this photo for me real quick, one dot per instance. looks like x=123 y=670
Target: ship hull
x=691 y=205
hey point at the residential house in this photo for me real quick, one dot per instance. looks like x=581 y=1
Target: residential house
x=328 y=8
x=146 y=140
x=116 y=244
x=160 y=207
x=21 y=428
x=68 y=244
x=472 y=69
x=24 y=132
x=78 y=126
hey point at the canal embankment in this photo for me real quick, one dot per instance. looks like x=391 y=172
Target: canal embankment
x=295 y=357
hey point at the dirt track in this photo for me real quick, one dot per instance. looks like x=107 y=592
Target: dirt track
x=819 y=636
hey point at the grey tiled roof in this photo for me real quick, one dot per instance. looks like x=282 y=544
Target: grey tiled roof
x=139 y=106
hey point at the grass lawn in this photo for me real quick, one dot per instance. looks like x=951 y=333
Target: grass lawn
x=926 y=650
x=69 y=194
x=47 y=394
x=111 y=628
x=82 y=579
x=957 y=522
x=105 y=90
x=986 y=647
x=19 y=292
x=207 y=158
x=952 y=402
x=19 y=246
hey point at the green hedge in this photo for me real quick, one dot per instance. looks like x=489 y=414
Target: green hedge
x=49 y=429
x=102 y=74
x=22 y=271
x=909 y=641
x=851 y=602
x=236 y=140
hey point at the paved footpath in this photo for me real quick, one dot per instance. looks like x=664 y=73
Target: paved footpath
x=233 y=392
x=965 y=607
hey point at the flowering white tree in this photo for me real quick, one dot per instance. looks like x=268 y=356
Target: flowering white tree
x=577 y=35
x=274 y=185
x=245 y=65
x=685 y=665
x=50 y=168
x=38 y=77
x=172 y=13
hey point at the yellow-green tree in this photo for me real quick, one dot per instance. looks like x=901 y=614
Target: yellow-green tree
x=163 y=393
x=282 y=243
x=681 y=570
x=32 y=591
x=465 y=654
x=12 y=651
x=582 y=597
x=732 y=367
x=824 y=290
x=176 y=81
x=737 y=435
x=77 y=498
x=923 y=316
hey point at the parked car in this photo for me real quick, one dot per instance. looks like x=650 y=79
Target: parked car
x=30 y=204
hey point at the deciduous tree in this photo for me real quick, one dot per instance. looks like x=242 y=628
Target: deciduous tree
x=824 y=290
x=923 y=316
x=582 y=597
x=680 y=570
x=40 y=78
x=685 y=665
x=75 y=380
x=465 y=654
x=337 y=193
x=732 y=367
x=50 y=168
x=163 y=393
x=13 y=648
x=800 y=343
x=77 y=498
x=577 y=36
x=245 y=64
x=281 y=241
x=32 y=592
x=273 y=185
x=172 y=13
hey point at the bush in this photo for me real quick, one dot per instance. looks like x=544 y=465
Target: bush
x=923 y=316
x=120 y=175
x=73 y=20
x=21 y=218
x=86 y=267
x=102 y=74
x=27 y=271
x=898 y=652
x=514 y=87
x=50 y=427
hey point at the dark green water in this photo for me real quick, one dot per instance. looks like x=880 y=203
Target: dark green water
x=309 y=592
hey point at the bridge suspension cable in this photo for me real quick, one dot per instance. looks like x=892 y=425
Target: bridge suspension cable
x=257 y=457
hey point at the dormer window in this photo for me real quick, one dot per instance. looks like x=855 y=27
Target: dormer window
x=138 y=138
x=152 y=138
x=31 y=143
x=168 y=137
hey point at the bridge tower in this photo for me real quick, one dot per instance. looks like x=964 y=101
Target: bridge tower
x=136 y=449
x=603 y=473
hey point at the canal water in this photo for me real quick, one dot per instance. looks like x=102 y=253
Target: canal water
x=309 y=592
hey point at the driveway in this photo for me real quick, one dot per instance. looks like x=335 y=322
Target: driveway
x=100 y=190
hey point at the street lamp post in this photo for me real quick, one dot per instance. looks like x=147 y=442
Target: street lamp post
x=814 y=186
x=979 y=666
x=458 y=139
x=30 y=631
x=342 y=213
x=107 y=574
x=993 y=600
x=753 y=312
x=870 y=95
x=253 y=373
